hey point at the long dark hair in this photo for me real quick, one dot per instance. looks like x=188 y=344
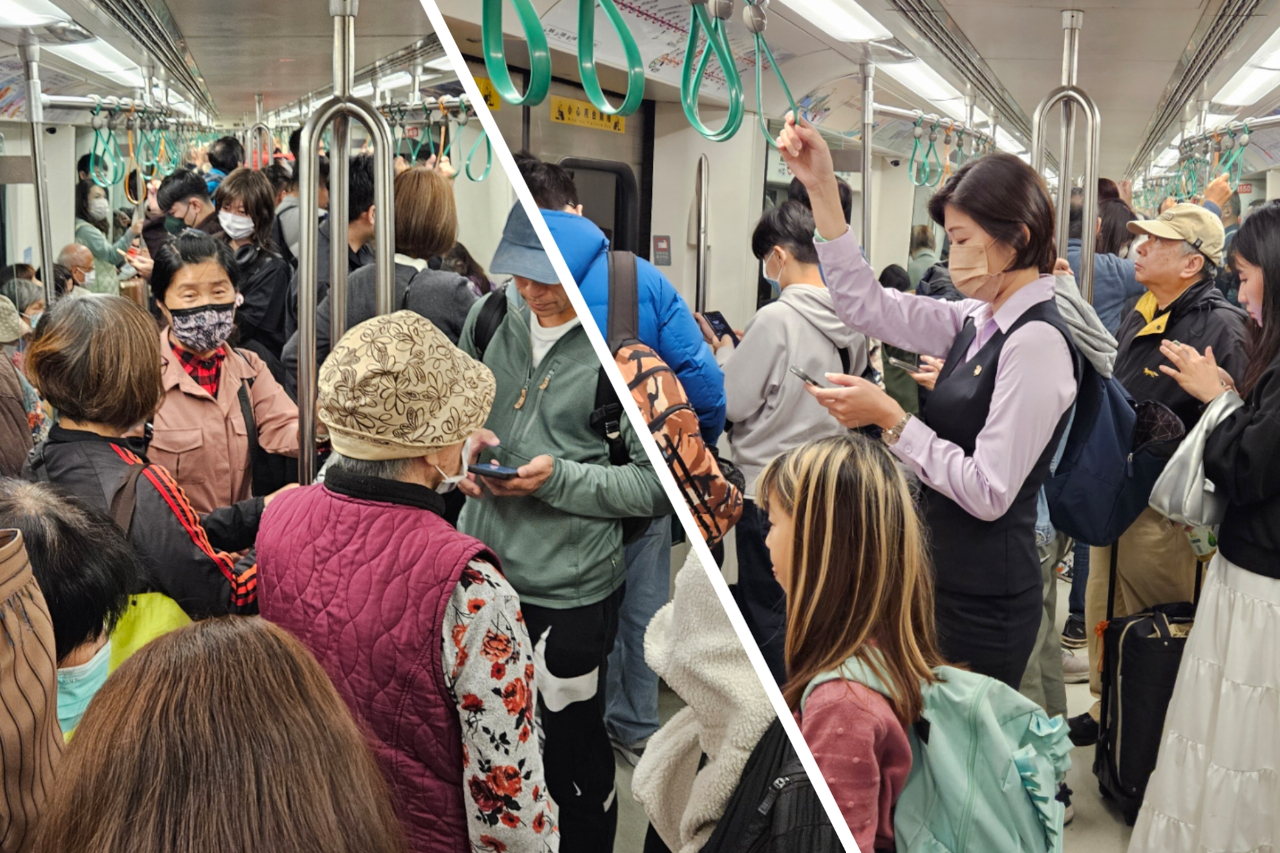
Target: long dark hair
x=82 y=206
x=1002 y=194
x=1114 y=234
x=1258 y=243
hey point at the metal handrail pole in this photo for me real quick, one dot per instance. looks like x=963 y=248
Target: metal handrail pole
x=1093 y=128
x=384 y=222
x=1072 y=21
x=868 y=134
x=704 y=202
x=29 y=55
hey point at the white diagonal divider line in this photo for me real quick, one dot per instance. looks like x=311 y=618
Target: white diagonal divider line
x=638 y=423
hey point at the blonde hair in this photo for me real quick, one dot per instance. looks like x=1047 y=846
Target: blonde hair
x=860 y=576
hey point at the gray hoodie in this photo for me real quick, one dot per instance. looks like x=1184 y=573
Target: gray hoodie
x=769 y=408
x=1091 y=336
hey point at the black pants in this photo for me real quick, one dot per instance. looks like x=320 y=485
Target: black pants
x=992 y=635
x=757 y=592
x=577 y=755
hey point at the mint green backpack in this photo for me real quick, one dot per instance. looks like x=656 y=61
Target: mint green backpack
x=985 y=767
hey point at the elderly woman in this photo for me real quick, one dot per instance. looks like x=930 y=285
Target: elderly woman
x=223 y=411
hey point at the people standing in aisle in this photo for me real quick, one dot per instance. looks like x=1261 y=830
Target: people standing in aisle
x=422 y=633
x=223 y=735
x=86 y=569
x=226 y=154
x=214 y=393
x=246 y=212
x=922 y=253
x=360 y=234
x=93 y=217
x=1216 y=785
x=983 y=444
x=557 y=524
x=1114 y=276
x=184 y=201
x=1155 y=562
x=669 y=328
x=768 y=406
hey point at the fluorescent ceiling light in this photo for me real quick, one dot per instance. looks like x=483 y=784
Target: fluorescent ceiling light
x=396 y=81
x=1259 y=76
x=441 y=64
x=364 y=90
x=923 y=81
x=101 y=58
x=30 y=13
x=843 y=20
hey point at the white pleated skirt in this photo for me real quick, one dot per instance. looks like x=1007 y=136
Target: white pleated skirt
x=1216 y=787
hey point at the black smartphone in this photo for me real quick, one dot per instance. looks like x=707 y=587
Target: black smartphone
x=720 y=325
x=497 y=472
x=808 y=380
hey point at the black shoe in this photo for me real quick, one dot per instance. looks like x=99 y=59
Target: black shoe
x=1073 y=634
x=1064 y=797
x=1084 y=729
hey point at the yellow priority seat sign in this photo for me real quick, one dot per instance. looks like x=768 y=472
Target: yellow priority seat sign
x=584 y=114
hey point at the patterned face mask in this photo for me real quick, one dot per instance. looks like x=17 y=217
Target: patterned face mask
x=204 y=327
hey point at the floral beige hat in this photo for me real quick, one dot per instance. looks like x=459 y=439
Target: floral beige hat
x=396 y=387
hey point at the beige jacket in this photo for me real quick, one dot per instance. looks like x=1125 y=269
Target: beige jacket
x=204 y=442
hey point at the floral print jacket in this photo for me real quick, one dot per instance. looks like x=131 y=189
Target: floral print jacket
x=488 y=662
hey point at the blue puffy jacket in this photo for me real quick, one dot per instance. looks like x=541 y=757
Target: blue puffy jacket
x=666 y=323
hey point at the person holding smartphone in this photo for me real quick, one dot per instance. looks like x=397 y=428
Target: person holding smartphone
x=984 y=443
x=767 y=404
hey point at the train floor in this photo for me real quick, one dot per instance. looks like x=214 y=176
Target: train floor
x=632 y=822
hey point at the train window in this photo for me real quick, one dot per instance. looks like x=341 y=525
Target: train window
x=610 y=198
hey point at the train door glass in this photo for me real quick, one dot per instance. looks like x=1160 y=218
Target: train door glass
x=927 y=246
x=609 y=197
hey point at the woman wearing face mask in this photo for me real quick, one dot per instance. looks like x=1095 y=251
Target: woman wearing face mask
x=28 y=298
x=983 y=445
x=767 y=404
x=1215 y=785
x=93 y=214
x=214 y=394
x=246 y=212
x=97 y=364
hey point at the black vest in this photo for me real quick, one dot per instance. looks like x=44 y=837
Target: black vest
x=972 y=556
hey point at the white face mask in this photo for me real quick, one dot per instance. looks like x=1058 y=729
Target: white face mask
x=99 y=208
x=90 y=277
x=234 y=225
x=448 y=484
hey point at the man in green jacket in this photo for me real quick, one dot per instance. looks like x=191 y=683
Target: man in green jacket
x=557 y=525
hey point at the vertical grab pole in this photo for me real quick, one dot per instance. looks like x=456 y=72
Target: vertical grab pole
x=1072 y=20
x=344 y=23
x=29 y=54
x=704 y=201
x=1093 y=129
x=868 y=132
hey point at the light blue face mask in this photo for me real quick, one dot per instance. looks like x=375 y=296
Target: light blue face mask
x=77 y=686
x=773 y=282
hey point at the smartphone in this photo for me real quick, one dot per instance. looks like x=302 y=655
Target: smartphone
x=720 y=325
x=905 y=365
x=497 y=472
x=808 y=380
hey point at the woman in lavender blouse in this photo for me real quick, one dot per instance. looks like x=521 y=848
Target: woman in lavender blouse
x=983 y=443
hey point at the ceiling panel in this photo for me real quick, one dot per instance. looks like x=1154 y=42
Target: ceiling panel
x=239 y=45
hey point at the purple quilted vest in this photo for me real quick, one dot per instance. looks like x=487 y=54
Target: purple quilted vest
x=364 y=585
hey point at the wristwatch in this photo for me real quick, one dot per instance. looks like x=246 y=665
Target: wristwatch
x=891 y=436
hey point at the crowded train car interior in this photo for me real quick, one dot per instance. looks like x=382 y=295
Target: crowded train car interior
x=667 y=112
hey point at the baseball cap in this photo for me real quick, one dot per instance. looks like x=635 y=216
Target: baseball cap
x=520 y=252
x=1189 y=222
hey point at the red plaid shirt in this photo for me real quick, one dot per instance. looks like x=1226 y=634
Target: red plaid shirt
x=205 y=372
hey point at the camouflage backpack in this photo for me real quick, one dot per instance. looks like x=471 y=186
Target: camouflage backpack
x=704 y=480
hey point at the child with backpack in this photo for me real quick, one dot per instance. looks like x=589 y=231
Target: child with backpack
x=917 y=754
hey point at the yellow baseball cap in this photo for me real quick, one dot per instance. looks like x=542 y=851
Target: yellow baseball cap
x=1189 y=222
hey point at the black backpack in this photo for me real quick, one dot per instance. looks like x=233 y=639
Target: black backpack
x=774 y=809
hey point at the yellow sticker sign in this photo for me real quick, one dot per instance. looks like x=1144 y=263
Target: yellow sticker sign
x=584 y=114
x=491 y=99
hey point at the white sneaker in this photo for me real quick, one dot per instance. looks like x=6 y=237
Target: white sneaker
x=1074 y=670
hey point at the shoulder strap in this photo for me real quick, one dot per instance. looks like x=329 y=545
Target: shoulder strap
x=624 y=300
x=853 y=669
x=125 y=500
x=39 y=471
x=492 y=313
x=606 y=419
x=846 y=359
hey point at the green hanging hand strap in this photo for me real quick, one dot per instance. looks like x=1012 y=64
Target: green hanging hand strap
x=933 y=169
x=495 y=56
x=488 y=156
x=756 y=18
x=914 y=168
x=587 y=58
x=100 y=154
x=695 y=67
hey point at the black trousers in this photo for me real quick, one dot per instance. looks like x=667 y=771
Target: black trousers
x=992 y=635
x=757 y=592
x=577 y=755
